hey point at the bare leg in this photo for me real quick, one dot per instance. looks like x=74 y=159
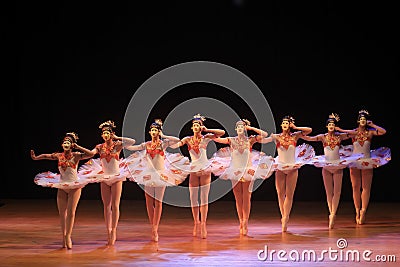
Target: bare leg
x=246 y=192
x=237 y=192
x=366 y=192
x=73 y=199
x=355 y=177
x=337 y=190
x=328 y=184
x=286 y=185
x=291 y=181
x=158 y=198
x=107 y=212
x=205 y=181
x=194 y=183
x=62 y=200
x=280 y=184
x=149 y=193
x=116 y=191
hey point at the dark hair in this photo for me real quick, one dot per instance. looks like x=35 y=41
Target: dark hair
x=107 y=126
x=363 y=113
x=288 y=118
x=157 y=124
x=334 y=118
x=198 y=119
x=71 y=136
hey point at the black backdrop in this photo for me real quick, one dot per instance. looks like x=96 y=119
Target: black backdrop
x=78 y=65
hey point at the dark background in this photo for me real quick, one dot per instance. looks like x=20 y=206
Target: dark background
x=79 y=64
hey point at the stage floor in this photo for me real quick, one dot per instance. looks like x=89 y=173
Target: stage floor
x=30 y=236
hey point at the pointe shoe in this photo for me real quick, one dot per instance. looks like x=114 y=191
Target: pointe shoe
x=113 y=237
x=154 y=234
x=241 y=227
x=64 y=242
x=284 y=221
x=244 y=229
x=203 y=230
x=332 y=218
x=362 y=217
x=196 y=228
x=68 y=242
x=357 y=217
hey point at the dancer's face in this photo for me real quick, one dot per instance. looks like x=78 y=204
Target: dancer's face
x=285 y=125
x=66 y=145
x=196 y=127
x=331 y=126
x=362 y=121
x=106 y=135
x=154 y=132
x=240 y=129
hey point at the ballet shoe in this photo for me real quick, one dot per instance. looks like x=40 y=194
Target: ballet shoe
x=245 y=230
x=113 y=237
x=68 y=242
x=362 y=217
x=332 y=218
x=241 y=227
x=196 y=228
x=64 y=242
x=357 y=217
x=284 y=221
x=154 y=234
x=203 y=230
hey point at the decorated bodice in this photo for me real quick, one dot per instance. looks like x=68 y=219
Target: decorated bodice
x=241 y=148
x=286 y=147
x=198 y=150
x=67 y=166
x=331 y=141
x=362 y=143
x=109 y=157
x=155 y=154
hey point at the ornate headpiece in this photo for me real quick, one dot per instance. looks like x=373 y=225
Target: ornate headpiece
x=107 y=126
x=245 y=122
x=333 y=118
x=363 y=113
x=288 y=118
x=198 y=118
x=157 y=124
x=72 y=137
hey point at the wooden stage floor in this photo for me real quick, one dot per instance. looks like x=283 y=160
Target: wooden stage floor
x=30 y=236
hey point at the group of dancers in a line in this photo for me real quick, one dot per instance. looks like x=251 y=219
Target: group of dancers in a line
x=154 y=168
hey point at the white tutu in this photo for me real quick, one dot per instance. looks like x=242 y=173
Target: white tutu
x=345 y=158
x=379 y=157
x=304 y=153
x=93 y=171
x=50 y=179
x=141 y=169
x=260 y=166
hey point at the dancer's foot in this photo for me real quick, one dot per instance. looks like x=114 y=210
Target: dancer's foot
x=112 y=237
x=64 y=242
x=68 y=242
x=332 y=218
x=196 y=228
x=244 y=229
x=241 y=227
x=203 y=230
x=284 y=221
x=357 y=217
x=154 y=234
x=362 y=217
